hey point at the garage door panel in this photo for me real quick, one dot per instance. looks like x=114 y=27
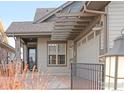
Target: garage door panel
x=88 y=52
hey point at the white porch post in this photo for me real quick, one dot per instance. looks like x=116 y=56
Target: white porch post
x=18 y=48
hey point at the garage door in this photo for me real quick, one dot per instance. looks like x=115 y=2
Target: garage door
x=88 y=49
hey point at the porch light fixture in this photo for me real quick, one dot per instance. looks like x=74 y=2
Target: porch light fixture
x=114 y=65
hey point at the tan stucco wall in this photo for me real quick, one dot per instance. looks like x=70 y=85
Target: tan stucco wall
x=42 y=58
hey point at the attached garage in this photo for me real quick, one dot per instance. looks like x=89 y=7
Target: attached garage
x=88 y=48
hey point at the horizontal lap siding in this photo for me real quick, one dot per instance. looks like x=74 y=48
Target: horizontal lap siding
x=115 y=20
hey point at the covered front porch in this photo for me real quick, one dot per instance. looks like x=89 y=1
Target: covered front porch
x=46 y=55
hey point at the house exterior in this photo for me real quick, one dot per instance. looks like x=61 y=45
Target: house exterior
x=6 y=51
x=77 y=31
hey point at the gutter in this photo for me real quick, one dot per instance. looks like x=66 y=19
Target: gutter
x=93 y=11
x=28 y=34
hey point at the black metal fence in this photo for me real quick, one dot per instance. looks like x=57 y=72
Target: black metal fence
x=87 y=76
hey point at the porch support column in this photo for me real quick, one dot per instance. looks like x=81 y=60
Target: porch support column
x=74 y=60
x=25 y=53
x=18 y=49
x=75 y=52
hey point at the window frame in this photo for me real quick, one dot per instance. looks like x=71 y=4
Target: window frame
x=57 y=65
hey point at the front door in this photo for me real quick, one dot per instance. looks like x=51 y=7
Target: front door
x=32 y=61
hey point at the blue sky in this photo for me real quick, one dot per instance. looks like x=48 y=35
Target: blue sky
x=22 y=11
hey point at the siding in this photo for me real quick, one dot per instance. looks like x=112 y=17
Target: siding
x=115 y=20
x=88 y=52
x=42 y=58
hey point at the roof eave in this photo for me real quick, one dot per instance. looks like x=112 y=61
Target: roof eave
x=28 y=34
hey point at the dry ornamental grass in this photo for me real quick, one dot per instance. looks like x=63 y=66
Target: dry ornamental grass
x=12 y=76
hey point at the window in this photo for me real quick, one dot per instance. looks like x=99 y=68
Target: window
x=84 y=41
x=56 y=53
x=91 y=36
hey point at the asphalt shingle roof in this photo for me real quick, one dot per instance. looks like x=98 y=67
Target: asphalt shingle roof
x=27 y=27
x=40 y=12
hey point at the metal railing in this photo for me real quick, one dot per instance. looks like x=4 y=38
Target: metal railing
x=87 y=76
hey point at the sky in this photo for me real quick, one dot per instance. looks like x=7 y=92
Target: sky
x=22 y=11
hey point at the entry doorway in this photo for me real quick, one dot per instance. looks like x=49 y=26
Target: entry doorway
x=30 y=51
x=32 y=57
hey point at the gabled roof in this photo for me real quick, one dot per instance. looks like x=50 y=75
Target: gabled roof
x=29 y=27
x=53 y=12
x=40 y=12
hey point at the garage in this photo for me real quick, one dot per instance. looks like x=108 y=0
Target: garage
x=88 y=48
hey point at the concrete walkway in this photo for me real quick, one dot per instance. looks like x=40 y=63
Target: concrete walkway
x=60 y=82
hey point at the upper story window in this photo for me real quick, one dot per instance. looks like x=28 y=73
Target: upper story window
x=56 y=53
